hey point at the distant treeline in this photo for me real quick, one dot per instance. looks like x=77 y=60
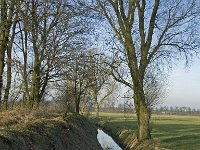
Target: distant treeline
x=171 y=110
x=176 y=110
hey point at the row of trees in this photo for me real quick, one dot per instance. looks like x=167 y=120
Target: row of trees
x=176 y=110
x=85 y=82
x=44 y=50
x=26 y=31
x=170 y=110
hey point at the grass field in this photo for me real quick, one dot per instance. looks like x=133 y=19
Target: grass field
x=169 y=131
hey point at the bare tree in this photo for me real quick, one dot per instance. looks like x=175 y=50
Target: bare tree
x=103 y=85
x=150 y=31
x=9 y=62
x=41 y=25
x=6 y=21
x=77 y=72
x=22 y=39
x=48 y=31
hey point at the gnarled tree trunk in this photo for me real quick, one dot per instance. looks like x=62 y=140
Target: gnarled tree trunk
x=143 y=115
x=143 y=118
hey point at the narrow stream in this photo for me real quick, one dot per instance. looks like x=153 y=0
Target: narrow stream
x=107 y=143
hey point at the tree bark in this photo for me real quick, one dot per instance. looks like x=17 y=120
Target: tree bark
x=2 y=56
x=25 y=52
x=96 y=103
x=34 y=98
x=45 y=83
x=144 y=128
x=9 y=62
x=25 y=75
x=9 y=75
x=97 y=110
x=143 y=115
x=77 y=108
x=77 y=103
x=7 y=12
x=3 y=44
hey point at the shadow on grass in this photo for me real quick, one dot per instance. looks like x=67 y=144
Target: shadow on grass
x=176 y=133
x=178 y=136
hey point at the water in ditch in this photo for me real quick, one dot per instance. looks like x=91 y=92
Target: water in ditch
x=107 y=143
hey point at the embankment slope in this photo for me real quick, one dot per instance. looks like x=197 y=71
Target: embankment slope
x=21 y=130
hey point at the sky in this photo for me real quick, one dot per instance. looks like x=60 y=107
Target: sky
x=184 y=86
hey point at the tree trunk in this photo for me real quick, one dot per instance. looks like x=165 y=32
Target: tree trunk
x=25 y=74
x=9 y=62
x=24 y=40
x=2 y=55
x=96 y=102
x=34 y=98
x=77 y=106
x=97 y=110
x=9 y=75
x=3 y=41
x=143 y=116
x=25 y=81
x=142 y=110
x=46 y=80
x=144 y=128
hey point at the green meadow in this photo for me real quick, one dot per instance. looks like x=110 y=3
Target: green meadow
x=168 y=131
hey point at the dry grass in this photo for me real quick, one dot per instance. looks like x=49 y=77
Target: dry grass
x=22 y=117
x=44 y=129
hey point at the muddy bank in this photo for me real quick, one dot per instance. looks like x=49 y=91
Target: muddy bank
x=69 y=132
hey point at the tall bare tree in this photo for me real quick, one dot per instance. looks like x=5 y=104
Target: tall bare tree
x=6 y=22
x=150 y=31
x=23 y=27
x=9 y=61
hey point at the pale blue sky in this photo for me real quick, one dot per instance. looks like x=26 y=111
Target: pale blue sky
x=184 y=86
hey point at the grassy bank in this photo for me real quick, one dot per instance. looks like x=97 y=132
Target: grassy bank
x=168 y=131
x=44 y=130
